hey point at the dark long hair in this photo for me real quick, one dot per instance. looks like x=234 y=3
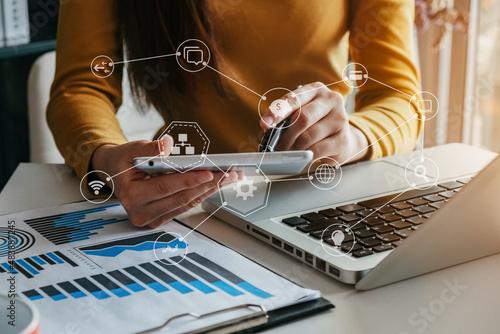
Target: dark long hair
x=154 y=28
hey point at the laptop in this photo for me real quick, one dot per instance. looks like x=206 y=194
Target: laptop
x=392 y=228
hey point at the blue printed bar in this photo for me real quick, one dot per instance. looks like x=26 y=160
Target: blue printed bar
x=111 y=286
x=32 y=295
x=166 y=278
x=126 y=281
x=27 y=267
x=55 y=258
x=174 y=269
x=38 y=260
x=53 y=293
x=9 y=270
x=72 y=290
x=158 y=287
x=92 y=288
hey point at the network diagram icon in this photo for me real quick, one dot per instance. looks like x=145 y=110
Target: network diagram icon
x=190 y=141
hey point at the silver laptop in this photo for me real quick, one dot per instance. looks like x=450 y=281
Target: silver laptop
x=376 y=222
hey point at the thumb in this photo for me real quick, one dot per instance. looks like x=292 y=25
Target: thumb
x=144 y=148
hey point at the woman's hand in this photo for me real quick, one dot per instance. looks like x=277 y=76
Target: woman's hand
x=322 y=125
x=154 y=200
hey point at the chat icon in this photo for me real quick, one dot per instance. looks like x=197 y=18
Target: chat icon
x=193 y=55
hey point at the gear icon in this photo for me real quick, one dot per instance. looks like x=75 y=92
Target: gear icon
x=244 y=183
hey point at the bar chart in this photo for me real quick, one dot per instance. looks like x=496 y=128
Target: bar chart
x=72 y=226
x=34 y=265
x=195 y=275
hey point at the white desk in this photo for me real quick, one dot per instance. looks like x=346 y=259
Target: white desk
x=423 y=304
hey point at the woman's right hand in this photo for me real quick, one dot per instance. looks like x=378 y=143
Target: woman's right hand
x=154 y=200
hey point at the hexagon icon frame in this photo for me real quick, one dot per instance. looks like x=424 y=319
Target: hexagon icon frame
x=266 y=195
x=206 y=143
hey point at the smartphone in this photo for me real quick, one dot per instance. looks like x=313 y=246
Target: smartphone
x=271 y=163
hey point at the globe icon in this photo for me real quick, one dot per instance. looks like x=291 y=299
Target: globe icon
x=325 y=173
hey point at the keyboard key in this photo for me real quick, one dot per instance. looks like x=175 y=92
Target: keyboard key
x=407 y=213
x=362 y=252
x=447 y=194
x=381 y=229
x=312 y=216
x=364 y=233
x=417 y=201
x=379 y=201
x=327 y=233
x=464 y=180
x=404 y=233
x=364 y=213
x=389 y=217
x=373 y=221
x=401 y=205
x=347 y=247
x=356 y=225
x=388 y=238
x=400 y=224
x=433 y=198
x=416 y=220
x=330 y=213
x=451 y=185
x=294 y=221
x=397 y=243
x=370 y=242
x=386 y=209
x=347 y=239
x=424 y=209
x=350 y=208
x=349 y=217
x=437 y=205
x=317 y=225
x=382 y=248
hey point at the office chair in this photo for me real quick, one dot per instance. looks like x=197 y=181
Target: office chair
x=43 y=149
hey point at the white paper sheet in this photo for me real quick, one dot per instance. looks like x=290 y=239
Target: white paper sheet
x=111 y=254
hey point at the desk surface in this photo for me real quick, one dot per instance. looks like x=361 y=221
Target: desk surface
x=460 y=299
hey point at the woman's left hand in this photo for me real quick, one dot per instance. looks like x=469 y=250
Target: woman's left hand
x=322 y=125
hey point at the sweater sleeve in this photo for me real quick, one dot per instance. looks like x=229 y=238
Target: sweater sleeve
x=82 y=109
x=381 y=40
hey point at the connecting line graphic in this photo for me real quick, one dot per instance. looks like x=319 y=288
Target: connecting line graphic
x=310 y=90
x=213 y=69
x=423 y=136
x=376 y=141
x=146 y=58
x=204 y=220
x=213 y=163
x=123 y=171
x=383 y=84
x=380 y=207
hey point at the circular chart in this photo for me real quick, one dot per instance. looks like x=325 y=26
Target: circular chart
x=20 y=239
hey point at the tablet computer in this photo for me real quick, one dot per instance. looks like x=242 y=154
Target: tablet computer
x=271 y=163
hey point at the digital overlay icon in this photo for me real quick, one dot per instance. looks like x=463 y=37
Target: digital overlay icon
x=182 y=144
x=96 y=186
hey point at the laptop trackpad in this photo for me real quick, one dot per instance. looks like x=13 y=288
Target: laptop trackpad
x=349 y=185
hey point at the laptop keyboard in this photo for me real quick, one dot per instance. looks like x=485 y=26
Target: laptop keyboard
x=379 y=224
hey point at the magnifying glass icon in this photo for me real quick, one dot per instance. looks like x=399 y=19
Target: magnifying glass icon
x=420 y=171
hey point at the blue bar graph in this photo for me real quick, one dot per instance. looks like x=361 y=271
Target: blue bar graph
x=39 y=260
x=72 y=226
x=53 y=293
x=92 y=288
x=55 y=258
x=72 y=290
x=27 y=267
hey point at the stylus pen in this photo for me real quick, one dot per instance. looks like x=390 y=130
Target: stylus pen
x=272 y=136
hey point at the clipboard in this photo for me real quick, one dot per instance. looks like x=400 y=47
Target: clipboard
x=254 y=322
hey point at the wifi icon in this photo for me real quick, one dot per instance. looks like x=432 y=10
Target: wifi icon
x=96 y=186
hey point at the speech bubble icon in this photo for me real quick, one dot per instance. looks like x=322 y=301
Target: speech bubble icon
x=193 y=54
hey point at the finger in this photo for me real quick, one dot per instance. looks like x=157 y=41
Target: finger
x=340 y=150
x=171 y=215
x=161 y=186
x=295 y=99
x=180 y=199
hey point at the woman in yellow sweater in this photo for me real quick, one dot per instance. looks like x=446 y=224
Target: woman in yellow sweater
x=261 y=44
